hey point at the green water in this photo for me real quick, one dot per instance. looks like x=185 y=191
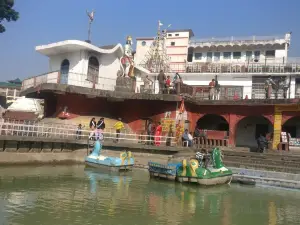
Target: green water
x=72 y=195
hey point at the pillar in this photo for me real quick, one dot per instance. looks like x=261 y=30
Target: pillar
x=277 y=127
x=233 y=120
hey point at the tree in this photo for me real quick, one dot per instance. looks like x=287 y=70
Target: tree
x=7 y=13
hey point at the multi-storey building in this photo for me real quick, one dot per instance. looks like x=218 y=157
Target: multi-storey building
x=83 y=78
x=240 y=64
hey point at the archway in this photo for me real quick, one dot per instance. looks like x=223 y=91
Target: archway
x=213 y=122
x=249 y=128
x=64 y=71
x=93 y=70
x=292 y=126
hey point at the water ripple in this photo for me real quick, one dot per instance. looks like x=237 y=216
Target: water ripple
x=72 y=195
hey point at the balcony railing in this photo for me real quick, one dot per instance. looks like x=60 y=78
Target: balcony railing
x=252 y=68
x=238 y=40
x=119 y=84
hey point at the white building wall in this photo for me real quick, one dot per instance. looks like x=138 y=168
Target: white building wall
x=75 y=58
x=109 y=67
x=224 y=80
x=141 y=50
x=279 y=55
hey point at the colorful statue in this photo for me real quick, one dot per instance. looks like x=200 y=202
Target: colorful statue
x=127 y=61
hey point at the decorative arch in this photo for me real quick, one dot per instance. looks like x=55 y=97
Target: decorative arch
x=248 y=128
x=93 y=70
x=64 y=71
x=213 y=122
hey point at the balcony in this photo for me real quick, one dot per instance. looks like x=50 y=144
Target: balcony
x=238 y=41
x=250 y=68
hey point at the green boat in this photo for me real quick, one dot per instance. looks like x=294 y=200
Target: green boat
x=196 y=170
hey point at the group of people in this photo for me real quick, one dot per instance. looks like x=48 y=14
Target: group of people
x=166 y=84
x=154 y=133
x=97 y=129
x=270 y=85
x=214 y=90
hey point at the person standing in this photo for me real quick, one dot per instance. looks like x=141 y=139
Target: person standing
x=158 y=132
x=92 y=127
x=177 y=80
x=161 y=81
x=217 y=89
x=100 y=127
x=118 y=126
x=168 y=84
x=212 y=89
x=147 y=85
x=150 y=133
x=269 y=83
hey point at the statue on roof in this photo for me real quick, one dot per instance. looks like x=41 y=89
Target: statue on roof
x=127 y=60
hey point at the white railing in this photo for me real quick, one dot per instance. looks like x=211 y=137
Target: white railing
x=51 y=77
x=236 y=39
x=70 y=132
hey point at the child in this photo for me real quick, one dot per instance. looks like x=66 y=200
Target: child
x=168 y=84
x=79 y=131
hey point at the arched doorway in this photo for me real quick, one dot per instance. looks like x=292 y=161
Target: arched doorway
x=249 y=128
x=216 y=126
x=93 y=70
x=64 y=71
x=292 y=126
x=213 y=122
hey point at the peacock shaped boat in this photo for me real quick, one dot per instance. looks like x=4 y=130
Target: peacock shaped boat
x=95 y=159
x=195 y=170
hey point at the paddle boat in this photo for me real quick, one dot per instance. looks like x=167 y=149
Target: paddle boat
x=95 y=159
x=195 y=170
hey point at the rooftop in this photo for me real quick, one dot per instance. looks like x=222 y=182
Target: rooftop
x=77 y=45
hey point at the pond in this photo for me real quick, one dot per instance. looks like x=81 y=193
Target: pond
x=75 y=195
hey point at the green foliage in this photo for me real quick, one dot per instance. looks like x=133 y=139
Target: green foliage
x=7 y=13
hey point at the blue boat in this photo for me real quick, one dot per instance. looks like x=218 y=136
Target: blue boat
x=167 y=171
x=95 y=159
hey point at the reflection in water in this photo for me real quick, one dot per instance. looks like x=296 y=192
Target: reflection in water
x=74 y=195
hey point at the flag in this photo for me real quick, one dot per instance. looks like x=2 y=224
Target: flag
x=91 y=16
x=159 y=23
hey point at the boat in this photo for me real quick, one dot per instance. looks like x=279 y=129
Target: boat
x=96 y=160
x=195 y=170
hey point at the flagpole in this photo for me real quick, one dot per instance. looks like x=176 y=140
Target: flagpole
x=91 y=18
x=89 y=31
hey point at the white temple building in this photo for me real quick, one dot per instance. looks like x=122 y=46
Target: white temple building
x=79 y=63
x=240 y=64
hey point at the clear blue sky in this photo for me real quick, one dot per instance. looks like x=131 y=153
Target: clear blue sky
x=43 y=22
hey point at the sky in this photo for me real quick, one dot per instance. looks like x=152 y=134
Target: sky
x=47 y=21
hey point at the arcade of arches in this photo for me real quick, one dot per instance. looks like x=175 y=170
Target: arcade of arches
x=240 y=127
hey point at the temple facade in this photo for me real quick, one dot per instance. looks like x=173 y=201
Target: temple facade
x=240 y=64
x=88 y=81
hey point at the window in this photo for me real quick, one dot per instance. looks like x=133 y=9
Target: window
x=217 y=56
x=172 y=43
x=176 y=35
x=270 y=54
x=209 y=56
x=143 y=43
x=198 y=56
x=169 y=35
x=227 y=55
x=237 y=55
x=248 y=54
x=256 y=56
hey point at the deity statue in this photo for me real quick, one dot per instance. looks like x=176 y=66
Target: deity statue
x=127 y=60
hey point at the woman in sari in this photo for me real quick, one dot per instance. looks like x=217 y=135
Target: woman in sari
x=158 y=132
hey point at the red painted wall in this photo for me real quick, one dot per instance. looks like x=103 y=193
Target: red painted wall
x=134 y=112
